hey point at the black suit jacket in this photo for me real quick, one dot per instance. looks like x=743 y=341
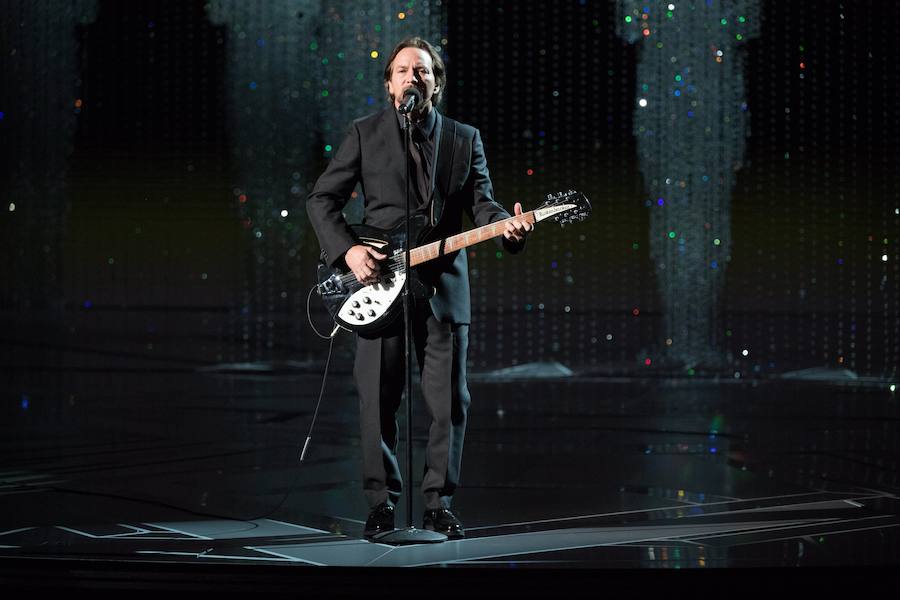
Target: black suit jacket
x=372 y=155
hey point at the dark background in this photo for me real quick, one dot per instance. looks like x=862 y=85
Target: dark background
x=155 y=259
x=156 y=363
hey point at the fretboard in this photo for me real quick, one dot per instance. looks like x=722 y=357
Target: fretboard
x=462 y=240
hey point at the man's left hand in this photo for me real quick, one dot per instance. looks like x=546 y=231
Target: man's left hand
x=517 y=229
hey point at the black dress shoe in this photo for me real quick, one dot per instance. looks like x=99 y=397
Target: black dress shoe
x=443 y=521
x=381 y=519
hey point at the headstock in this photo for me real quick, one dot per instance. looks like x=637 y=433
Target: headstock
x=564 y=207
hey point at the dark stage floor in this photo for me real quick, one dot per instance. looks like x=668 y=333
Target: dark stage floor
x=114 y=467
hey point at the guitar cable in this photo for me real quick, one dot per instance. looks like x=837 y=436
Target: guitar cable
x=331 y=337
x=312 y=423
x=315 y=416
x=309 y=318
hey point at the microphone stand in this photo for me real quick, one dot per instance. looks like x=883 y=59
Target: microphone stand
x=410 y=535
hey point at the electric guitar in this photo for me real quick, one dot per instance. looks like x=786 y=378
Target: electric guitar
x=368 y=309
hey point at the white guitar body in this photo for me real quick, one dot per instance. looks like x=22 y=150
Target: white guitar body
x=367 y=305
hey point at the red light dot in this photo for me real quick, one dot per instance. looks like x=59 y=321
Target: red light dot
x=636 y=312
x=647 y=361
x=802 y=65
x=530 y=171
x=646 y=32
x=242 y=198
x=353 y=195
x=78 y=103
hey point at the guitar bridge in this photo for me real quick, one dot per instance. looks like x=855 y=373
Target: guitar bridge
x=331 y=286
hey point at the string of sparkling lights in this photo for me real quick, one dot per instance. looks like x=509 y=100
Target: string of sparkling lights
x=691 y=125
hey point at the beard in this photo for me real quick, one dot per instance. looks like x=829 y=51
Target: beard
x=420 y=107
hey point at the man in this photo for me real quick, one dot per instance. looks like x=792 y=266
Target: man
x=449 y=178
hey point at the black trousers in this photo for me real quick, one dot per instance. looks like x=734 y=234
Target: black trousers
x=379 y=371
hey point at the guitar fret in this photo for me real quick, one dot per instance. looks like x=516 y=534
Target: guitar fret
x=463 y=240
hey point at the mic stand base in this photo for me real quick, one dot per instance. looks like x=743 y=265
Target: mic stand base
x=410 y=535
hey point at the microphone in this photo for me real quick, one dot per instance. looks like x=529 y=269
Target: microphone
x=411 y=97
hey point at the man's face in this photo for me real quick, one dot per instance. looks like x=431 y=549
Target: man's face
x=412 y=67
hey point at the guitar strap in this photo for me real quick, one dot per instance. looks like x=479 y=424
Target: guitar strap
x=444 y=163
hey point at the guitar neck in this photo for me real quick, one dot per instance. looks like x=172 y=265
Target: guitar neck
x=462 y=240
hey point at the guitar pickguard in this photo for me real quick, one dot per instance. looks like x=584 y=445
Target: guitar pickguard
x=368 y=305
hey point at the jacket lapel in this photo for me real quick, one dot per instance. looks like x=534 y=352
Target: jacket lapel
x=390 y=149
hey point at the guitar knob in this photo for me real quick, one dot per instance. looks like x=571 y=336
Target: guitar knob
x=371 y=313
x=367 y=300
x=359 y=316
x=351 y=312
x=355 y=304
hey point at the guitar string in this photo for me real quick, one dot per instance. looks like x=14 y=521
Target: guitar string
x=396 y=262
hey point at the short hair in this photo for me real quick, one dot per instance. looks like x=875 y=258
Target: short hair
x=440 y=73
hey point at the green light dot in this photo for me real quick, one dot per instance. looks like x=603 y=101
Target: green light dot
x=678 y=78
x=724 y=21
x=327 y=147
x=314 y=46
x=717 y=241
x=359 y=76
x=635 y=246
x=645 y=87
x=340 y=55
x=378 y=28
x=742 y=19
x=659 y=44
x=739 y=37
x=628 y=19
x=499 y=254
x=324 y=93
x=669 y=14
x=691 y=372
x=672 y=235
x=324 y=61
x=728 y=332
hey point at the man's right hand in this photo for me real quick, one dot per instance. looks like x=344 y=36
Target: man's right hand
x=363 y=262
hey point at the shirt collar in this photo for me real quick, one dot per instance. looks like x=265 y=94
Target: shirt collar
x=426 y=125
